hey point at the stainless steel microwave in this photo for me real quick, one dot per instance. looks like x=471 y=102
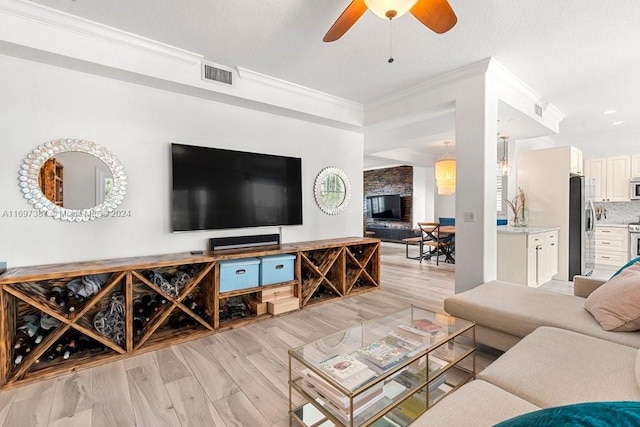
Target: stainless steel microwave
x=635 y=189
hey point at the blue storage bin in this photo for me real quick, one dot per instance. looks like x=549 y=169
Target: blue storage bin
x=239 y=274
x=276 y=269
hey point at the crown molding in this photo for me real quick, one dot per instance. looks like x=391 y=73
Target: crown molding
x=279 y=84
x=501 y=72
x=459 y=74
x=66 y=22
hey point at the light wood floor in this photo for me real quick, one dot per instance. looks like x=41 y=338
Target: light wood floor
x=234 y=378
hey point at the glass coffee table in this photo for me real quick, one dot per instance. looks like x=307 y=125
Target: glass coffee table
x=384 y=372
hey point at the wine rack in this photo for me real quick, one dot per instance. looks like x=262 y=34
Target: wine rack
x=362 y=268
x=160 y=294
x=78 y=315
x=322 y=275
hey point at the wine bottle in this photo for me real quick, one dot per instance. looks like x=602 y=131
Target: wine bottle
x=138 y=308
x=160 y=299
x=69 y=348
x=82 y=344
x=138 y=325
x=18 y=359
x=153 y=307
x=74 y=303
x=63 y=301
x=55 y=294
x=19 y=342
x=54 y=352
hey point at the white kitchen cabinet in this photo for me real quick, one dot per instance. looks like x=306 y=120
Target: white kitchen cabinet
x=635 y=166
x=618 y=177
x=611 y=175
x=612 y=247
x=577 y=163
x=597 y=170
x=544 y=177
x=528 y=255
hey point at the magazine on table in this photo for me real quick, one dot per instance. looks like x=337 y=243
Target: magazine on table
x=427 y=325
x=383 y=353
x=344 y=366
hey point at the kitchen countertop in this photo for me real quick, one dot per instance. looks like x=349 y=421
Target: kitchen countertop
x=527 y=230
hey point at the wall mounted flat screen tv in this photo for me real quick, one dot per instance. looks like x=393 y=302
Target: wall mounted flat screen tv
x=384 y=207
x=215 y=189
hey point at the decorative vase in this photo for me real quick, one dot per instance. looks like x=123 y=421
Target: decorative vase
x=521 y=220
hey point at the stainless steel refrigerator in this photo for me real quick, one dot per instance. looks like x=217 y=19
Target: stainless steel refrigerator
x=581 y=227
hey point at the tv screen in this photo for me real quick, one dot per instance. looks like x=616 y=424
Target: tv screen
x=215 y=188
x=385 y=207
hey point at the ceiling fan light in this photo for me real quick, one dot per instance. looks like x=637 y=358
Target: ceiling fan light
x=390 y=9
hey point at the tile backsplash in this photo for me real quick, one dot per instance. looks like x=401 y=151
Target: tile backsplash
x=619 y=212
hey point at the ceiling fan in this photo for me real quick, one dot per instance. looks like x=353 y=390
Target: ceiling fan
x=434 y=14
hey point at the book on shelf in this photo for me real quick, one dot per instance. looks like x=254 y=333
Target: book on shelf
x=345 y=414
x=329 y=392
x=383 y=353
x=409 y=409
x=338 y=402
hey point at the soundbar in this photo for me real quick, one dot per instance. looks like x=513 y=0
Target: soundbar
x=217 y=243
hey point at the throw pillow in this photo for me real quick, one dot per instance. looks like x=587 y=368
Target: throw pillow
x=616 y=304
x=592 y=414
x=629 y=264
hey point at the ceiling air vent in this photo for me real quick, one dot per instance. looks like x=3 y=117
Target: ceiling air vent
x=537 y=109
x=215 y=73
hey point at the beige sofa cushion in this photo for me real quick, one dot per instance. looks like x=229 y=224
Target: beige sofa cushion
x=638 y=368
x=616 y=304
x=478 y=404
x=553 y=367
x=518 y=310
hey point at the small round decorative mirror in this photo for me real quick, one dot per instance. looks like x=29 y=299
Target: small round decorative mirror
x=332 y=190
x=73 y=180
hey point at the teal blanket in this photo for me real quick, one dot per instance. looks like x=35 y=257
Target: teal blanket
x=593 y=414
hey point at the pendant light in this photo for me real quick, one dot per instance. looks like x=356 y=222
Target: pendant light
x=445 y=169
x=503 y=165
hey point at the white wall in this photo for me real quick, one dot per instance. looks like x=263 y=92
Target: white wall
x=445 y=206
x=137 y=123
x=423 y=194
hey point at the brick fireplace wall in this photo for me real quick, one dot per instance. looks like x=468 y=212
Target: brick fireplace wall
x=396 y=180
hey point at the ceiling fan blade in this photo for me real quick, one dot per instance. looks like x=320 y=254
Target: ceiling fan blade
x=435 y=14
x=351 y=14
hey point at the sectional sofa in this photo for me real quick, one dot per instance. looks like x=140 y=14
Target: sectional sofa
x=557 y=354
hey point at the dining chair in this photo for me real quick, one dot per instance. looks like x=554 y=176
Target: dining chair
x=439 y=243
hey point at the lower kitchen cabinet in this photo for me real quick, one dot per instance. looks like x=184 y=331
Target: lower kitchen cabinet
x=527 y=255
x=612 y=246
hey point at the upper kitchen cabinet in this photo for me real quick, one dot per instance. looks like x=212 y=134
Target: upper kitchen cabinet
x=612 y=175
x=635 y=166
x=597 y=170
x=577 y=164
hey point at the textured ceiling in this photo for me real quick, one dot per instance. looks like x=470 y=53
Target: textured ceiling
x=580 y=55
